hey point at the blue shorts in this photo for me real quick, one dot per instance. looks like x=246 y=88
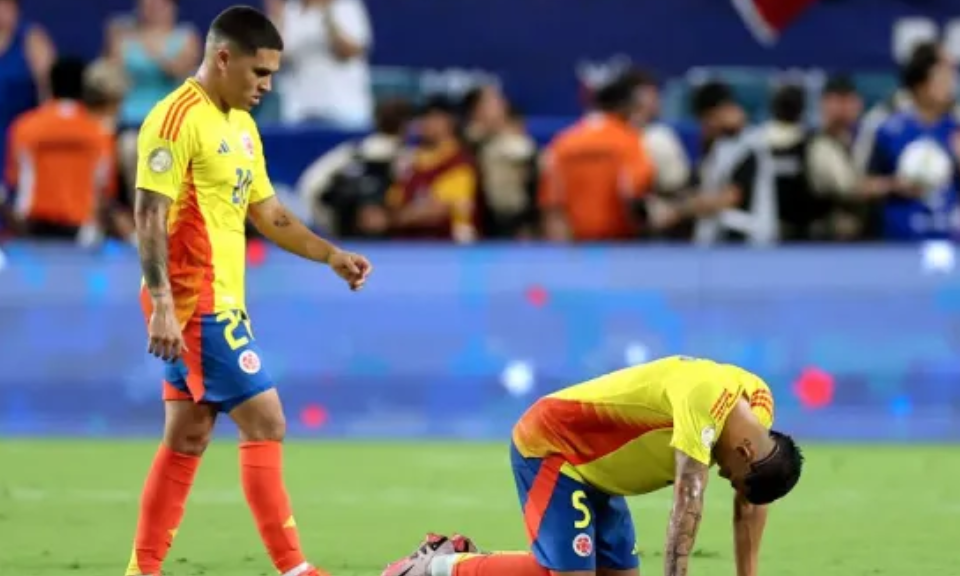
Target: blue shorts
x=572 y=526
x=222 y=364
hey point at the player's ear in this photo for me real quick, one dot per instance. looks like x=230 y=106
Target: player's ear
x=223 y=58
x=746 y=452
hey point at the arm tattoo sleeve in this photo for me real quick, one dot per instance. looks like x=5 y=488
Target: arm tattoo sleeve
x=150 y=214
x=686 y=514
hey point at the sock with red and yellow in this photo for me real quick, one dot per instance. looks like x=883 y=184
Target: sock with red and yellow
x=492 y=564
x=162 y=504
x=261 y=472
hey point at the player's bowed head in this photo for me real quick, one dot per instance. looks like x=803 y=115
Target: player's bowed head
x=762 y=465
x=243 y=50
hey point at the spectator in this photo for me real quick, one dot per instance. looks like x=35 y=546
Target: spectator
x=156 y=54
x=506 y=159
x=831 y=170
x=596 y=173
x=26 y=54
x=914 y=211
x=786 y=139
x=660 y=139
x=732 y=194
x=899 y=101
x=435 y=196
x=105 y=87
x=60 y=162
x=327 y=76
x=346 y=187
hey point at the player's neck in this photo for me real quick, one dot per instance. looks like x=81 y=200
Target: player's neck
x=208 y=85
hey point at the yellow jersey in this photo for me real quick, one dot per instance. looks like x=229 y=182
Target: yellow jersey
x=619 y=432
x=210 y=163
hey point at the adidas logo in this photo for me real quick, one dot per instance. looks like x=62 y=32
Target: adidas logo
x=223 y=149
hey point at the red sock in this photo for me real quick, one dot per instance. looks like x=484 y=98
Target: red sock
x=261 y=471
x=162 y=504
x=498 y=564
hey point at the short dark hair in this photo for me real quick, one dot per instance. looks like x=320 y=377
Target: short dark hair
x=618 y=92
x=247 y=28
x=788 y=104
x=437 y=104
x=391 y=115
x=66 y=78
x=916 y=70
x=775 y=476
x=709 y=96
x=840 y=85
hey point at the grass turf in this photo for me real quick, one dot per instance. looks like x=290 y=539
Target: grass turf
x=68 y=508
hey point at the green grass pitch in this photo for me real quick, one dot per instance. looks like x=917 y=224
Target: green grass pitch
x=67 y=508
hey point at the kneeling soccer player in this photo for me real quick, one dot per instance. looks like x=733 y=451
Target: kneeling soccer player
x=578 y=452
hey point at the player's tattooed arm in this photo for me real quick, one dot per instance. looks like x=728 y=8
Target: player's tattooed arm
x=691 y=481
x=749 y=521
x=150 y=216
x=281 y=227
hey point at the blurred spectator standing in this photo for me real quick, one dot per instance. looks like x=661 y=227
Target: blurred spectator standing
x=899 y=101
x=156 y=53
x=712 y=208
x=506 y=159
x=435 y=196
x=850 y=205
x=26 y=54
x=60 y=163
x=595 y=174
x=326 y=76
x=104 y=89
x=914 y=210
x=786 y=138
x=346 y=188
x=660 y=139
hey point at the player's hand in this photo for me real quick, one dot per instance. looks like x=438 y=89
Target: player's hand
x=353 y=268
x=166 y=338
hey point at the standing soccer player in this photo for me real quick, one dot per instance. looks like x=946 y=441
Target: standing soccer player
x=201 y=173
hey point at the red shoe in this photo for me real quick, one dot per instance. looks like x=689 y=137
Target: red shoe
x=433 y=545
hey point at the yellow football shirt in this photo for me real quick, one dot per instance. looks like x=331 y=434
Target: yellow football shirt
x=619 y=432
x=211 y=165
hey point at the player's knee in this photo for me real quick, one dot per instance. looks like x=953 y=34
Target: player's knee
x=261 y=419
x=267 y=429
x=191 y=442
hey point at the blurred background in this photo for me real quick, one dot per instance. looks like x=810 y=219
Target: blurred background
x=548 y=190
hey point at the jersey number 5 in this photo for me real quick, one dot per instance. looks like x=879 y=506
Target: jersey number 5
x=242 y=188
x=579 y=503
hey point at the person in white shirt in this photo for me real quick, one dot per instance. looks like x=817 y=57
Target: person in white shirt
x=326 y=74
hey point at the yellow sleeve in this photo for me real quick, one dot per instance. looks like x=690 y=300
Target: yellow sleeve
x=458 y=189
x=262 y=188
x=761 y=400
x=163 y=159
x=699 y=412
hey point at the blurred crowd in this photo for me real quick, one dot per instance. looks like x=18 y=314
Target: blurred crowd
x=464 y=167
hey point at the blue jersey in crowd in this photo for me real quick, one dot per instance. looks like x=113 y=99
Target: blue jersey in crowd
x=931 y=217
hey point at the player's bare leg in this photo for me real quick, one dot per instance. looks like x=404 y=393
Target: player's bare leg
x=262 y=429
x=188 y=428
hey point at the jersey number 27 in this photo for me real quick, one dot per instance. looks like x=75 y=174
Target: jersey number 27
x=242 y=188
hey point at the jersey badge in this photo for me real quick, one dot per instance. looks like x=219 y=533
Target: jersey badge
x=160 y=160
x=583 y=545
x=247 y=144
x=249 y=362
x=708 y=436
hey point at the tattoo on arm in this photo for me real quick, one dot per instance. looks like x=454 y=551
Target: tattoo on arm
x=150 y=215
x=686 y=514
x=281 y=220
